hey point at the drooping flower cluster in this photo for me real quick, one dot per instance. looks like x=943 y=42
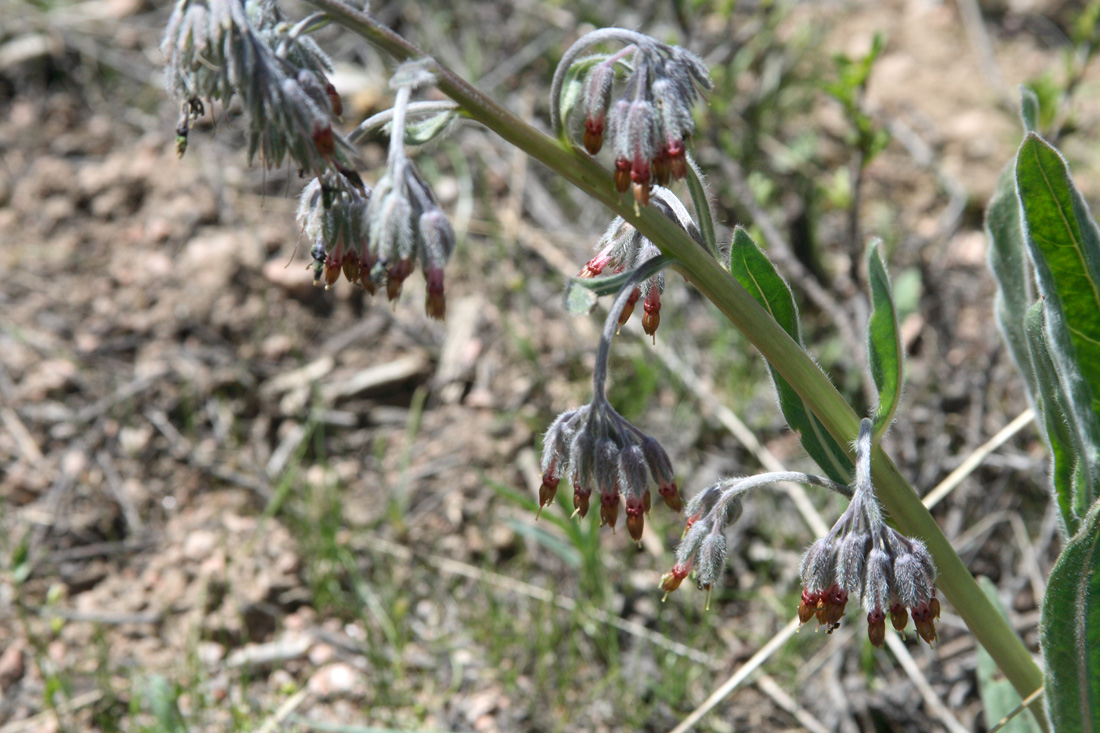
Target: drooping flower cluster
x=651 y=123
x=623 y=248
x=599 y=450
x=702 y=551
x=377 y=237
x=860 y=556
x=215 y=49
x=864 y=557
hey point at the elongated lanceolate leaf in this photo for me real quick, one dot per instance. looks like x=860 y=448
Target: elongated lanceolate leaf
x=1029 y=109
x=883 y=341
x=1009 y=263
x=758 y=275
x=999 y=697
x=1064 y=244
x=1069 y=632
x=1067 y=471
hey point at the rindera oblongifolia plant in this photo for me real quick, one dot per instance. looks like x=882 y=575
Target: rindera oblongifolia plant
x=218 y=49
x=621 y=90
x=860 y=557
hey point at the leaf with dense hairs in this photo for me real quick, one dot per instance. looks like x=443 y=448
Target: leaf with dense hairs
x=1069 y=632
x=1064 y=243
x=1068 y=471
x=883 y=341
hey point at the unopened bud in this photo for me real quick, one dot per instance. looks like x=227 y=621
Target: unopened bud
x=925 y=621
x=593 y=134
x=807 y=607
x=581 y=496
x=629 y=307
x=396 y=275
x=899 y=617
x=351 y=269
x=876 y=627
x=324 y=140
x=635 y=518
x=334 y=99
x=435 y=304
x=672 y=580
x=830 y=609
x=662 y=168
x=622 y=175
x=609 y=508
x=652 y=318
x=332 y=270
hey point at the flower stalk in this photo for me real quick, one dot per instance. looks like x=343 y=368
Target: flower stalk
x=737 y=305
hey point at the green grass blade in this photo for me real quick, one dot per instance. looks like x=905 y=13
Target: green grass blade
x=999 y=698
x=1067 y=472
x=1069 y=632
x=758 y=275
x=1064 y=243
x=883 y=341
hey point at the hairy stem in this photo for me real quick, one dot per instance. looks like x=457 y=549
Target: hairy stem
x=788 y=358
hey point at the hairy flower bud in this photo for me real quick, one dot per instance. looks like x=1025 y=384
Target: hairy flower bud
x=818 y=565
x=876 y=626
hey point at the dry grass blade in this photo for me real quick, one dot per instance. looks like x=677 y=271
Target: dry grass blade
x=967 y=467
x=770 y=688
x=931 y=699
x=454 y=567
x=755 y=661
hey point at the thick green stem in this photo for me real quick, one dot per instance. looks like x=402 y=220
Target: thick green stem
x=701 y=269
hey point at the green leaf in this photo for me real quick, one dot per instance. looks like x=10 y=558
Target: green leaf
x=581 y=292
x=424 y=131
x=1029 y=109
x=1068 y=475
x=883 y=341
x=162 y=697
x=1009 y=263
x=758 y=275
x=999 y=697
x=1064 y=244
x=573 y=86
x=1069 y=632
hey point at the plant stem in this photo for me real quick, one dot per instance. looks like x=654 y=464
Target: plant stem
x=788 y=358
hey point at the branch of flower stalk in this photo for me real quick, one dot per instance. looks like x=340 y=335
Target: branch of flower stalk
x=789 y=359
x=611 y=325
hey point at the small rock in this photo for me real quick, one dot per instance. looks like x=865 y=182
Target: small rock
x=11 y=665
x=210 y=653
x=338 y=678
x=199 y=544
x=321 y=654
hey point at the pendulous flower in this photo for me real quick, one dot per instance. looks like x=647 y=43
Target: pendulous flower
x=651 y=123
x=864 y=557
x=598 y=450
